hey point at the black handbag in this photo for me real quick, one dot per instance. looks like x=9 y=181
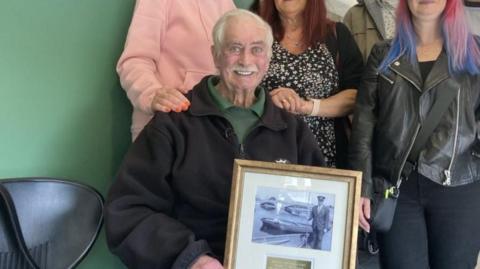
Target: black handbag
x=385 y=202
x=383 y=207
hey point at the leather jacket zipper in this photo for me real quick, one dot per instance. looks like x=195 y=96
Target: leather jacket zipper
x=409 y=80
x=448 y=178
x=417 y=129
x=386 y=78
x=399 y=179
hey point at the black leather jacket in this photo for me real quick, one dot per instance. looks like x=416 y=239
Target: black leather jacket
x=390 y=109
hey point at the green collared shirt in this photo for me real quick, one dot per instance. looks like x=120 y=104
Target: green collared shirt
x=241 y=119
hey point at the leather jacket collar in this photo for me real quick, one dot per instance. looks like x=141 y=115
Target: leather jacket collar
x=411 y=72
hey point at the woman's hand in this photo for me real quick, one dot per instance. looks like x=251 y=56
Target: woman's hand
x=364 y=213
x=169 y=99
x=289 y=100
x=206 y=262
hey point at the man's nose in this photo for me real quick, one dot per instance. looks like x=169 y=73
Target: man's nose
x=245 y=57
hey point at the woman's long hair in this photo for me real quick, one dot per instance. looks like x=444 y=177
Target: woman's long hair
x=461 y=47
x=316 y=25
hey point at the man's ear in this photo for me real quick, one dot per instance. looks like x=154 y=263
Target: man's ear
x=214 y=56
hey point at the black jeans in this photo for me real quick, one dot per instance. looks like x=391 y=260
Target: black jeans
x=434 y=227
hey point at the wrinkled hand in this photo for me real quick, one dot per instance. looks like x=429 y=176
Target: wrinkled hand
x=364 y=214
x=206 y=262
x=170 y=99
x=289 y=100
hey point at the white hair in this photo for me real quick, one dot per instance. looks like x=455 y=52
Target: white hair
x=218 y=32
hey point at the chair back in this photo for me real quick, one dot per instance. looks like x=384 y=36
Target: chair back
x=59 y=221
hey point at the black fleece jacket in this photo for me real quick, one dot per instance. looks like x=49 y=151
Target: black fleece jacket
x=169 y=202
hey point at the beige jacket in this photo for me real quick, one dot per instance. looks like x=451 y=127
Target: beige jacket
x=365 y=22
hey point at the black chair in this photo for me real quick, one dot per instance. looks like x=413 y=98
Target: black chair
x=47 y=223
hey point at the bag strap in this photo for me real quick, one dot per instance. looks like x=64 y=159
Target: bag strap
x=12 y=220
x=430 y=123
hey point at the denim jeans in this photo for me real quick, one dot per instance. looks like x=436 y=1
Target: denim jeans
x=434 y=227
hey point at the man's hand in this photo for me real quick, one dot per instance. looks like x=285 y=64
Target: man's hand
x=206 y=262
x=169 y=99
x=364 y=214
x=285 y=98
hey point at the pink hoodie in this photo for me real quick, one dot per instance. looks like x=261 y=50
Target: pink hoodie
x=168 y=44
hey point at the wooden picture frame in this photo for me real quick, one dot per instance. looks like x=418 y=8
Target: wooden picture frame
x=273 y=208
x=472 y=3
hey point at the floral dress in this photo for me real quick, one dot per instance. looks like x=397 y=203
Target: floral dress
x=312 y=74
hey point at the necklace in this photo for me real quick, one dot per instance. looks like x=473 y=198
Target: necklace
x=297 y=42
x=294 y=42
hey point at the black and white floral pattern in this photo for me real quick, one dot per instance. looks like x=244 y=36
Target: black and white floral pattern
x=312 y=74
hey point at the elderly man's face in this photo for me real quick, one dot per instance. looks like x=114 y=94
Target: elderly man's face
x=243 y=60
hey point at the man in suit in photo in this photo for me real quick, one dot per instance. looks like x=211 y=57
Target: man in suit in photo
x=320 y=216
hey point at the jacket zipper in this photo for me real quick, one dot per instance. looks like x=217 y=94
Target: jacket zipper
x=241 y=146
x=448 y=178
x=241 y=152
x=399 y=179
x=409 y=80
x=417 y=129
x=387 y=79
x=231 y=136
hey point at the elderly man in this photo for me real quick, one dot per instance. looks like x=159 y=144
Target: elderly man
x=168 y=207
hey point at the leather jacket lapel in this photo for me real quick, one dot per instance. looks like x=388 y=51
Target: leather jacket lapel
x=409 y=71
x=438 y=73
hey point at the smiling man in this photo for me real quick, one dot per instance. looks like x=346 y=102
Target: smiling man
x=168 y=207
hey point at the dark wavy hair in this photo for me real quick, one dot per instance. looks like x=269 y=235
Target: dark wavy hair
x=316 y=25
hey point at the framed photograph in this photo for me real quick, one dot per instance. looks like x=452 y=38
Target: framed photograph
x=292 y=216
x=472 y=3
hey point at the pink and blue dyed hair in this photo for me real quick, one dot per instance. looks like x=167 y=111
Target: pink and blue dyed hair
x=462 y=49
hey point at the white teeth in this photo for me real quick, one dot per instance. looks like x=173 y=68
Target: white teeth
x=243 y=73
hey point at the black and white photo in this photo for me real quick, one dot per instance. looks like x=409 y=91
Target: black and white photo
x=292 y=218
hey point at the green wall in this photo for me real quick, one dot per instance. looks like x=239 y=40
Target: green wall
x=62 y=111
x=243 y=3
